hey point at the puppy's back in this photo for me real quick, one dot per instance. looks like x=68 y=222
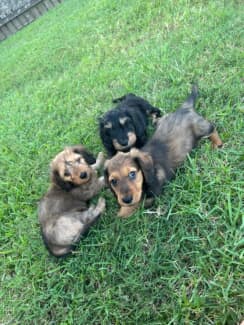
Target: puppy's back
x=57 y=201
x=177 y=130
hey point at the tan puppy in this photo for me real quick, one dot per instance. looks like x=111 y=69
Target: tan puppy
x=142 y=173
x=63 y=212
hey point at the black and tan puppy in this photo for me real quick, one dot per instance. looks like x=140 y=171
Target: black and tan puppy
x=63 y=212
x=141 y=173
x=125 y=126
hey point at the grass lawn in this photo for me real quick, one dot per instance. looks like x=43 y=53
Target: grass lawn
x=181 y=262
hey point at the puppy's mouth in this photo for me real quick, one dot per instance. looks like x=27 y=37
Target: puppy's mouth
x=120 y=147
x=80 y=181
x=125 y=145
x=127 y=204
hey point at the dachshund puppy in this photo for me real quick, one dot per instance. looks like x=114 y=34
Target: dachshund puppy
x=124 y=126
x=141 y=173
x=63 y=212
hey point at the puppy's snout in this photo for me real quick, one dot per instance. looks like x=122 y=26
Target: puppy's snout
x=83 y=175
x=127 y=199
x=123 y=142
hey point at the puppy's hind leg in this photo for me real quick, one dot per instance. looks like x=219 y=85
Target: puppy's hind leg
x=151 y=110
x=62 y=233
x=215 y=139
x=204 y=129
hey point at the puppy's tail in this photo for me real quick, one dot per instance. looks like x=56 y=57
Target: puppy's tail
x=120 y=99
x=191 y=99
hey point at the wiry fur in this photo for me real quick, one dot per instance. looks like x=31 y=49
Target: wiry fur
x=63 y=212
x=125 y=126
x=176 y=134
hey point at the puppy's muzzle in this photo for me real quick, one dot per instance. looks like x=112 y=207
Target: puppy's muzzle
x=125 y=142
x=121 y=144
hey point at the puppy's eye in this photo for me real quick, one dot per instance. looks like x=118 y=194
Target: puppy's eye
x=114 y=182
x=132 y=175
x=66 y=173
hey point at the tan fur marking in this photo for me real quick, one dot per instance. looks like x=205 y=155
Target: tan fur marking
x=215 y=139
x=122 y=120
x=108 y=125
x=131 y=142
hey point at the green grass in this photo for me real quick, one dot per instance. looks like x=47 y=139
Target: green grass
x=181 y=262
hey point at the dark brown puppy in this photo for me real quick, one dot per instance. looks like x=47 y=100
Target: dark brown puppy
x=63 y=212
x=142 y=173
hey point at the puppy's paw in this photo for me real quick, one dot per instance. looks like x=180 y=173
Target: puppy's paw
x=101 y=204
x=155 y=119
x=101 y=182
x=100 y=159
x=148 y=202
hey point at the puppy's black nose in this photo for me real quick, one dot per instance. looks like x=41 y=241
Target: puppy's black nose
x=83 y=175
x=127 y=199
x=123 y=142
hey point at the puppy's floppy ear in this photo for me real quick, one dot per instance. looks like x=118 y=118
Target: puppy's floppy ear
x=56 y=179
x=106 y=175
x=88 y=156
x=145 y=162
x=120 y=99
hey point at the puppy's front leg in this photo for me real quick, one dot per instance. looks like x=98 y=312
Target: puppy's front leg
x=93 y=212
x=125 y=212
x=99 y=161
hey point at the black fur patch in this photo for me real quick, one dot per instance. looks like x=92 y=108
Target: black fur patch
x=89 y=158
